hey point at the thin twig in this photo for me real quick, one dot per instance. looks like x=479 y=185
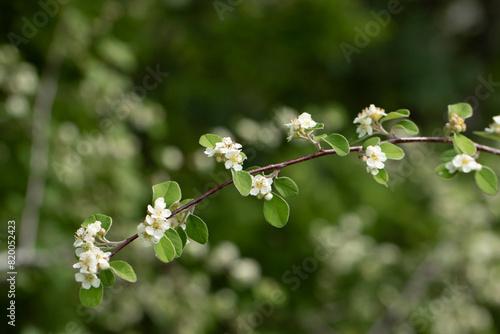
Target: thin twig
x=282 y=165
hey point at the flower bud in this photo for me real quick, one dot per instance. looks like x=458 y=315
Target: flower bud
x=268 y=196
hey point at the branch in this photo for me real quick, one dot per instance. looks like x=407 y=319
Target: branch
x=282 y=165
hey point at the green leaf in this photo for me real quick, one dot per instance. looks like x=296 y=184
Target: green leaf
x=91 y=297
x=107 y=277
x=106 y=221
x=182 y=234
x=176 y=241
x=392 y=151
x=276 y=211
x=165 y=250
x=406 y=125
x=196 y=229
x=209 y=140
x=486 y=180
x=339 y=143
x=488 y=135
x=464 y=144
x=169 y=190
x=243 y=181
x=463 y=110
x=124 y=270
x=371 y=142
x=443 y=172
x=381 y=177
x=401 y=113
x=286 y=187
x=448 y=155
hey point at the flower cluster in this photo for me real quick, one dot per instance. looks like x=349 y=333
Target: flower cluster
x=91 y=259
x=495 y=126
x=374 y=159
x=155 y=224
x=228 y=152
x=299 y=126
x=463 y=163
x=456 y=124
x=261 y=187
x=366 y=120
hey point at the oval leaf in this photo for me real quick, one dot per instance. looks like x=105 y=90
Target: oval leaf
x=486 y=180
x=401 y=113
x=243 y=181
x=169 y=190
x=124 y=270
x=339 y=143
x=463 y=110
x=106 y=221
x=371 y=142
x=107 y=277
x=381 y=177
x=276 y=211
x=91 y=297
x=406 y=125
x=286 y=187
x=443 y=172
x=209 y=140
x=392 y=151
x=165 y=250
x=196 y=229
x=464 y=144
x=176 y=241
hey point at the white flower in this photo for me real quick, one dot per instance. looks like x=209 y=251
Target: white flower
x=463 y=163
x=87 y=234
x=156 y=227
x=372 y=170
x=293 y=128
x=261 y=185
x=365 y=120
x=303 y=122
x=94 y=228
x=85 y=247
x=147 y=239
x=210 y=152
x=87 y=262
x=494 y=127
x=227 y=152
x=102 y=259
x=227 y=145
x=375 y=157
x=234 y=160
x=87 y=279
x=306 y=121
x=365 y=125
x=159 y=211
x=374 y=112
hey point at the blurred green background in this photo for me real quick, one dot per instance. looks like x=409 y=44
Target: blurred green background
x=87 y=128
